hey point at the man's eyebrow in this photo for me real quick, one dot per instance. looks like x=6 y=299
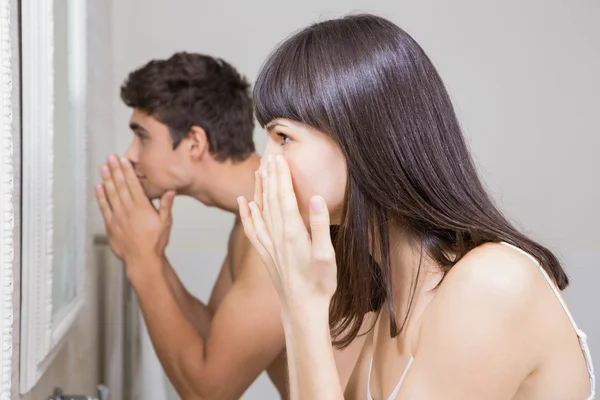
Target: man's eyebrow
x=134 y=126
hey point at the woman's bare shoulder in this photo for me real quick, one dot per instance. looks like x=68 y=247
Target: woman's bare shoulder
x=490 y=296
x=497 y=268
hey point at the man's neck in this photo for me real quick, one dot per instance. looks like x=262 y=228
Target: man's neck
x=228 y=181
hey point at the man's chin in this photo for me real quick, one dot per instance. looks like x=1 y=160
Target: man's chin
x=153 y=192
x=155 y=195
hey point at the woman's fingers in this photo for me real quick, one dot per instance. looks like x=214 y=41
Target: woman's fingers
x=258 y=189
x=262 y=232
x=264 y=178
x=322 y=251
x=322 y=248
x=287 y=199
x=274 y=226
x=275 y=212
x=250 y=229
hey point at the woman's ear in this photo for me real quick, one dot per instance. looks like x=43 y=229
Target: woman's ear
x=197 y=142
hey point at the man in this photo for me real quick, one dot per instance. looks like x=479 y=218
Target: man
x=193 y=123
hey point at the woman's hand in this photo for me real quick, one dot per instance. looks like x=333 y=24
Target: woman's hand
x=302 y=266
x=303 y=270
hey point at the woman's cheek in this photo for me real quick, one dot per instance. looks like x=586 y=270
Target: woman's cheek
x=302 y=188
x=328 y=182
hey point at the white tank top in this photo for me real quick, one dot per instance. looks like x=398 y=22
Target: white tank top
x=580 y=335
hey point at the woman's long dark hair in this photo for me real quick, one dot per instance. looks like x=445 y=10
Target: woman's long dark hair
x=367 y=83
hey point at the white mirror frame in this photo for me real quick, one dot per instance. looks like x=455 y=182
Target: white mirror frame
x=7 y=208
x=41 y=336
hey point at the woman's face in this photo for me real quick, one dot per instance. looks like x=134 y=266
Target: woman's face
x=317 y=164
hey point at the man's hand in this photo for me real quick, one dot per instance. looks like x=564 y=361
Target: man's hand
x=134 y=227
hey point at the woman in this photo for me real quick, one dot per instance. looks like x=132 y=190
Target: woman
x=363 y=136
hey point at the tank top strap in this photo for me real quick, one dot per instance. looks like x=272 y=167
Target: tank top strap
x=394 y=393
x=552 y=285
x=580 y=334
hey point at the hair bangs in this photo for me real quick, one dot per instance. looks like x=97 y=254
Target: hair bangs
x=286 y=85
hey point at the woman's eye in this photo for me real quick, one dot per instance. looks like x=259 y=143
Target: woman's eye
x=284 y=138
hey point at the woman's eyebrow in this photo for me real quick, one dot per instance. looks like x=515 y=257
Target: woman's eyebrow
x=274 y=124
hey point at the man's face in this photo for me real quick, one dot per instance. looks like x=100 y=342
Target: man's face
x=157 y=165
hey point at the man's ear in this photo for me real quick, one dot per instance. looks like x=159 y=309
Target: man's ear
x=197 y=142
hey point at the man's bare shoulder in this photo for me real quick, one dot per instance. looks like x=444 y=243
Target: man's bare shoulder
x=242 y=267
x=231 y=267
x=242 y=258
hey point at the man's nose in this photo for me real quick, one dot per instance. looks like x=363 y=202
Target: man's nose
x=131 y=154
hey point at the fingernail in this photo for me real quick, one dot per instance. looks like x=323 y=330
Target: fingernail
x=112 y=159
x=98 y=187
x=239 y=200
x=270 y=159
x=263 y=173
x=316 y=203
x=104 y=171
x=124 y=161
x=278 y=159
x=251 y=206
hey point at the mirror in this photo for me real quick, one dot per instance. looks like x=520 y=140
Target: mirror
x=54 y=170
x=69 y=128
x=64 y=289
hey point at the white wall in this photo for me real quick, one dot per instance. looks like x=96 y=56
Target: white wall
x=523 y=75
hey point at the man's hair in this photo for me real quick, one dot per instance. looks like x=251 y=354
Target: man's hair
x=192 y=89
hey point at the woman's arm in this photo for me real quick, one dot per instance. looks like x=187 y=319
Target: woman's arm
x=311 y=362
x=302 y=268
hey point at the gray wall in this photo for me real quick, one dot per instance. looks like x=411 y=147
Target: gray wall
x=524 y=77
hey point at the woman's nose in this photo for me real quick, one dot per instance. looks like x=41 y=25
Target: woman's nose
x=271 y=149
